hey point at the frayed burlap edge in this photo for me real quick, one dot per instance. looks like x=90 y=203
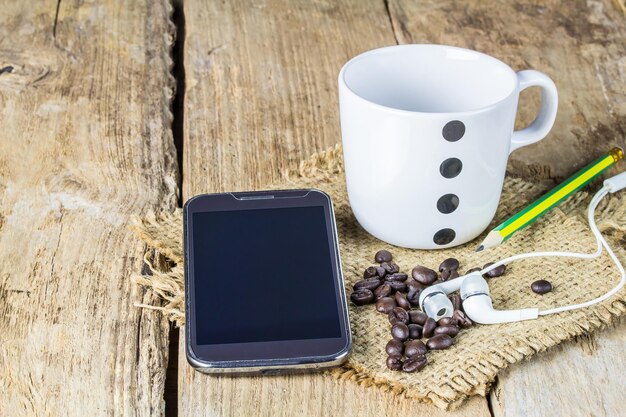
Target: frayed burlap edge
x=163 y=234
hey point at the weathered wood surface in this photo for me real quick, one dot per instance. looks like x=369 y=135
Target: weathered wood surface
x=84 y=144
x=261 y=89
x=579 y=378
x=261 y=94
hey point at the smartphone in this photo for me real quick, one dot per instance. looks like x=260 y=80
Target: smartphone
x=264 y=290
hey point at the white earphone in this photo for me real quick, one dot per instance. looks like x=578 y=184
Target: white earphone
x=474 y=289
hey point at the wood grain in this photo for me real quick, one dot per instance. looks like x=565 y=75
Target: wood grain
x=84 y=143
x=260 y=96
x=261 y=89
x=300 y=395
x=595 y=364
x=581 y=46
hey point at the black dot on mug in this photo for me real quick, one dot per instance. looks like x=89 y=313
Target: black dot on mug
x=447 y=203
x=444 y=236
x=451 y=167
x=453 y=131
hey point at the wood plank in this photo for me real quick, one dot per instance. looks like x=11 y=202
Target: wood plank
x=579 y=378
x=84 y=143
x=261 y=84
x=301 y=395
x=581 y=47
x=261 y=95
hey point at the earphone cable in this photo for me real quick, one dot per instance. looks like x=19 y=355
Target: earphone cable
x=594 y=228
x=601 y=243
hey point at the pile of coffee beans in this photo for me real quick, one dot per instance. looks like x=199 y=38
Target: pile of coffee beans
x=397 y=295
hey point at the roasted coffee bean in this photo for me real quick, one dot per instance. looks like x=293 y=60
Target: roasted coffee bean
x=415 y=331
x=424 y=275
x=382 y=291
x=413 y=298
x=383 y=256
x=390 y=267
x=400 y=331
x=385 y=304
x=469 y=271
x=447 y=266
x=449 y=275
x=394 y=363
x=541 y=286
x=394 y=348
x=402 y=301
x=462 y=320
x=450 y=264
x=414 y=364
x=380 y=271
x=496 y=272
x=450 y=330
x=429 y=328
x=414 y=289
x=414 y=348
x=455 y=299
x=368 y=284
x=440 y=341
x=362 y=297
x=370 y=272
x=446 y=321
x=396 y=285
x=418 y=317
x=414 y=286
x=398 y=315
x=398 y=276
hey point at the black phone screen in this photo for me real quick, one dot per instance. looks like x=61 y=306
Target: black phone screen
x=263 y=275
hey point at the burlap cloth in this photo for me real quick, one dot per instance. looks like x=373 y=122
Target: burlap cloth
x=480 y=352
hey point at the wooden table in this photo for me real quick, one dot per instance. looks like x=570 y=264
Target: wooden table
x=91 y=133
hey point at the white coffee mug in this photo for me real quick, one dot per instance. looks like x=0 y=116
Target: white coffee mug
x=427 y=131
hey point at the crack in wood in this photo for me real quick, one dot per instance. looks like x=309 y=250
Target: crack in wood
x=171 y=375
x=178 y=104
x=56 y=20
x=138 y=334
x=27 y=292
x=170 y=391
x=54 y=254
x=493 y=391
x=215 y=49
x=393 y=27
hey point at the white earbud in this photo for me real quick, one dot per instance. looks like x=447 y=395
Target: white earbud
x=434 y=300
x=478 y=306
x=477 y=303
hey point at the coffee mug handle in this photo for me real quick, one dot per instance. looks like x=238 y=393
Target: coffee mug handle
x=542 y=124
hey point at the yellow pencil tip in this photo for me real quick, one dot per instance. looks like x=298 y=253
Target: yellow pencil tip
x=481 y=247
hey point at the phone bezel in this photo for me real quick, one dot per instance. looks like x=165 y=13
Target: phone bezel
x=273 y=355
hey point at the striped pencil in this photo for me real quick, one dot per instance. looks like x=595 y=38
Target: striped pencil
x=550 y=200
